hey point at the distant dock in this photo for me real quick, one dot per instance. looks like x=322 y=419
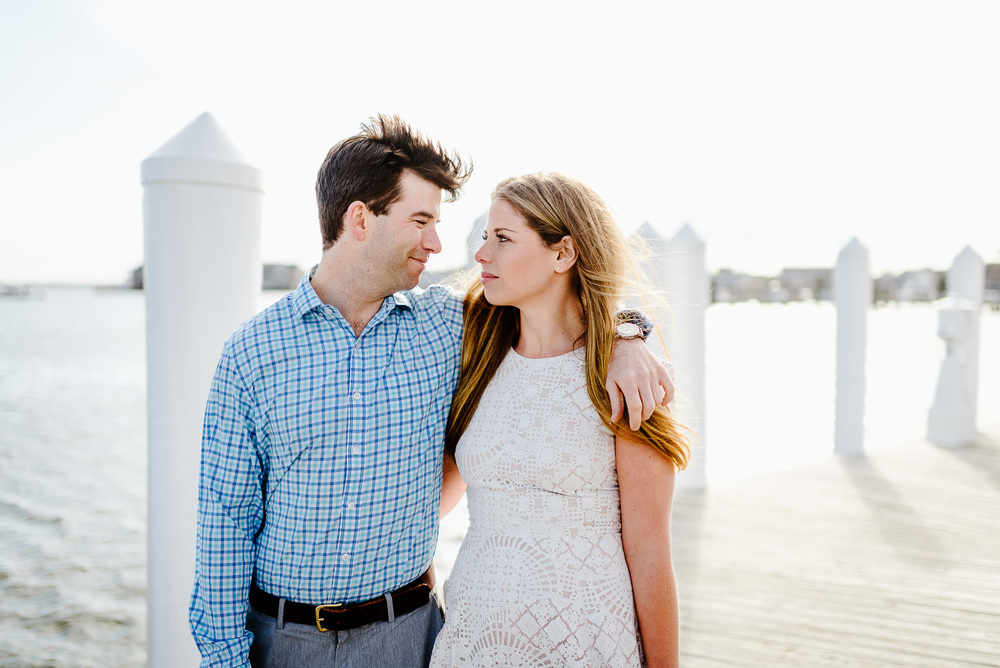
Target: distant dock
x=882 y=561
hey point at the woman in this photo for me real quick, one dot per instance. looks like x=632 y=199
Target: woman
x=567 y=558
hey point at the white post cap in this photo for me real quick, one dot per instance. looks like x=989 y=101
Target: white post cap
x=201 y=153
x=686 y=237
x=648 y=232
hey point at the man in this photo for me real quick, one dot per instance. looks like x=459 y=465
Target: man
x=323 y=439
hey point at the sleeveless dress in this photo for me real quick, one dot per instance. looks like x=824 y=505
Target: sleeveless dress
x=541 y=578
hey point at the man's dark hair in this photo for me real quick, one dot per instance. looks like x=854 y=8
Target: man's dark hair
x=368 y=166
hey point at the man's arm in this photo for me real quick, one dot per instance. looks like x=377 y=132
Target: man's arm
x=644 y=381
x=230 y=512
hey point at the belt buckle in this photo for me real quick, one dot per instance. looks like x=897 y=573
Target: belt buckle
x=319 y=611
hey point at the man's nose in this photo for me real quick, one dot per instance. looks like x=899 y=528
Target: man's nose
x=431 y=240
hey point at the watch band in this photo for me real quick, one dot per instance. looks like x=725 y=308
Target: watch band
x=637 y=318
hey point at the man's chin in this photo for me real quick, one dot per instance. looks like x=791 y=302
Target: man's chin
x=411 y=281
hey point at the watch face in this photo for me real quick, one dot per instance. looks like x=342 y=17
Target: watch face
x=628 y=330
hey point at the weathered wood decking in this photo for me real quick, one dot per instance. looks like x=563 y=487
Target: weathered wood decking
x=883 y=561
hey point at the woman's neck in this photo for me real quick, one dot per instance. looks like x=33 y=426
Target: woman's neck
x=551 y=329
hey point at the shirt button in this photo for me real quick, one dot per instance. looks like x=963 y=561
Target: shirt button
x=357 y=396
x=345 y=557
x=356 y=450
x=350 y=505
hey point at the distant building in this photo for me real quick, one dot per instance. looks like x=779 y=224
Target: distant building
x=884 y=288
x=993 y=277
x=922 y=285
x=273 y=277
x=281 y=276
x=134 y=280
x=806 y=284
x=992 y=292
x=729 y=286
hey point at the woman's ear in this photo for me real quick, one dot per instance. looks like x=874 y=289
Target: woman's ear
x=566 y=254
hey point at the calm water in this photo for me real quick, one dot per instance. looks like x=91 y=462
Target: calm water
x=73 y=451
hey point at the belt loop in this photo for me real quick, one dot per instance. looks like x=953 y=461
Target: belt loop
x=281 y=613
x=388 y=605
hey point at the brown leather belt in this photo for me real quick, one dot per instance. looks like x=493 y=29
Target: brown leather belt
x=343 y=616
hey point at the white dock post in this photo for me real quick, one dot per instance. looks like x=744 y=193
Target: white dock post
x=681 y=273
x=852 y=289
x=202 y=278
x=967 y=280
x=951 y=421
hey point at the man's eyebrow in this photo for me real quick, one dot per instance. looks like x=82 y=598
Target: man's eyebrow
x=423 y=214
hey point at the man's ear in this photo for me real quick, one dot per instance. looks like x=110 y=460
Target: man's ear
x=355 y=220
x=566 y=255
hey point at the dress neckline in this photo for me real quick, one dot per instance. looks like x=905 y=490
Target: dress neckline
x=553 y=357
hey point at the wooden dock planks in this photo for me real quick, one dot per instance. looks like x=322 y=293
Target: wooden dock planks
x=887 y=560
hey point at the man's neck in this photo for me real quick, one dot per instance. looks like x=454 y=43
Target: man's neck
x=339 y=283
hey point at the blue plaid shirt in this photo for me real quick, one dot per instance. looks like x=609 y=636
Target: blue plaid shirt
x=321 y=458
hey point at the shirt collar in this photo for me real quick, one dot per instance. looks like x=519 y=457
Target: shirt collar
x=401 y=299
x=305 y=299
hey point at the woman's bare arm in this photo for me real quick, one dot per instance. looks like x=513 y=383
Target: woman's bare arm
x=452 y=486
x=646 y=485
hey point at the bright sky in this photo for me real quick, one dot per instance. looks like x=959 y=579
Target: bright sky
x=778 y=130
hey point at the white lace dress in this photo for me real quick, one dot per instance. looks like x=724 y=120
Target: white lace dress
x=541 y=578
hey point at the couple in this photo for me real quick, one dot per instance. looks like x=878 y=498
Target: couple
x=325 y=430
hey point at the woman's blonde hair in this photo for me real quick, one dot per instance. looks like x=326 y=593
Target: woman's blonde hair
x=555 y=206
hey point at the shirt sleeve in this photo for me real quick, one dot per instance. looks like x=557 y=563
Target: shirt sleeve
x=230 y=513
x=442 y=302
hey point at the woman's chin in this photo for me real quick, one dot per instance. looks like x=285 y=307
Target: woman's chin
x=494 y=299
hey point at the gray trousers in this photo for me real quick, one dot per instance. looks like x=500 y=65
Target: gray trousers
x=405 y=642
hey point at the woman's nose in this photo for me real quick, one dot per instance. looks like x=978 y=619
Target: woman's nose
x=480 y=255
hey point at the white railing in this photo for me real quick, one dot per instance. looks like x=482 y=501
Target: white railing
x=679 y=271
